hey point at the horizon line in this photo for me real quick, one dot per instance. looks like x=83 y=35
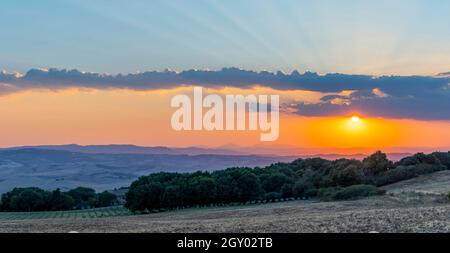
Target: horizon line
x=223 y=147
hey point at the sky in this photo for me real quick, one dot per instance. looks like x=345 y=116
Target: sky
x=385 y=62
x=406 y=37
x=123 y=116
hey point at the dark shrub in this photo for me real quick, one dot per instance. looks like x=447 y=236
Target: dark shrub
x=310 y=193
x=34 y=199
x=271 y=196
x=26 y=200
x=303 y=189
x=106 y=199
x=250 y=187
x=421 y=158
x=84 y=197
x=376 y=164
x=346 y=172
x=61 y=201
x=287 y=191
x=30 y=200
x=444 y=158
x=405 y=172
x=326 y=194
x=144 y=194
x=351 y=192
x=274 y=182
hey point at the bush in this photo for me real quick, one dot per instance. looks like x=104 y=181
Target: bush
x=375 y=164
x=311 y=193
x=30 y=200
x=144 y=195
x=105 y=199
x=402 y=172
x=327 y=194
x=84 y=197
x=274 y=182
x=304 y=189
x=346 y=172
x=250 y=187
x=351 y=192
x=287 y=191
x=271 y=196
x=444 y=158
x=61 y=201
x=421 y=158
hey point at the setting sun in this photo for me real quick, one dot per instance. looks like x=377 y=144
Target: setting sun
x=356 y=119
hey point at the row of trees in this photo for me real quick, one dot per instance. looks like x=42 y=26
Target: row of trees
x=34 y=199
x=303 y=178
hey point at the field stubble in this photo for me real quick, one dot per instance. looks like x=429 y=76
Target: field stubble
x=417 y=205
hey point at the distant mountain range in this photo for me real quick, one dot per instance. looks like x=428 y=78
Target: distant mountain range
x=131 y=149
x=105 y=167
x=269 y=150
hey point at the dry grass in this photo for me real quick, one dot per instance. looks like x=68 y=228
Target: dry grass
x=416 y=205
x=382 y=214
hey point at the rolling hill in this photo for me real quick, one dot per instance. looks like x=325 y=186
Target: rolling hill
x=102 y=170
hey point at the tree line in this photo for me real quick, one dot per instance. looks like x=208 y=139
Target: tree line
x=34 y=199
x=302 y=178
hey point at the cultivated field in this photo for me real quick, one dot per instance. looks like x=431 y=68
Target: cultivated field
x=416 y=205
x=76 y=214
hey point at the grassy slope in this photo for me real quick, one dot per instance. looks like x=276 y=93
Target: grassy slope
x=435 y=183
x=415 y=205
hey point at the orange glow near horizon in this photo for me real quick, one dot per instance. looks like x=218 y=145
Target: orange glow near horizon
x=143 y=118
x=353 y=132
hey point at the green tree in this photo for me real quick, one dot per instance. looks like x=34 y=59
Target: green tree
x=30 y=200
x=227 y=186
x=144 y=194
x=376 y=164
x=250 y=187
x=287 y=191
x=274 y=182
x=201 y=190
x=61 y=201
x=173 y=197
x=346 y=172
x=444 y=158
x=303 y=188
x=84 y=197
x=106 y=199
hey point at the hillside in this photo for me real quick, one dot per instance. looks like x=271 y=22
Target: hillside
x=105 y=167
x=394 y=212
x=131 y=149
x=435 y=184
x=51 y=169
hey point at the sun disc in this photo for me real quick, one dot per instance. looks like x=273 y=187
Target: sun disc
x=356 y=119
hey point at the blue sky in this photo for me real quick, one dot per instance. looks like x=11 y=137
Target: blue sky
x=368 y=37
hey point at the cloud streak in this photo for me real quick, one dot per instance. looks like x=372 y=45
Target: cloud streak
x=416 y=97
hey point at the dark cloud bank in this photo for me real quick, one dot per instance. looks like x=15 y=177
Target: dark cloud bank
x=416 y=97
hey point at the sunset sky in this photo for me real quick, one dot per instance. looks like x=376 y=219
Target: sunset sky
x=393 y=92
